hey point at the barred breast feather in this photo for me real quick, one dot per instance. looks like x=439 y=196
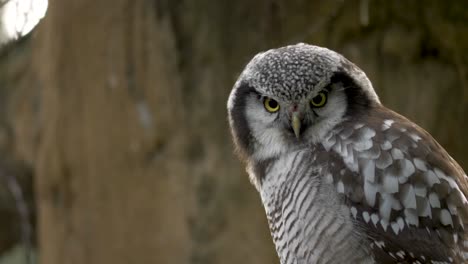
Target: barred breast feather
x=308 y=223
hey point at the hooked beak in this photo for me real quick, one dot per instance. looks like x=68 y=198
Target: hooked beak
x=296 y=124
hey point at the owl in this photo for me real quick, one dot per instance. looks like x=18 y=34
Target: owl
x=342 y=178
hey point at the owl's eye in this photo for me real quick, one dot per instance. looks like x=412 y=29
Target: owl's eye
x=319 y=100
x=271 y=105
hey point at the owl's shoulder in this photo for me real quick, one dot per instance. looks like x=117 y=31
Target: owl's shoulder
x=400 y=184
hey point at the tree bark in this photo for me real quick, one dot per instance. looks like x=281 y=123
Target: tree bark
x=135 y=164
x=17 y=211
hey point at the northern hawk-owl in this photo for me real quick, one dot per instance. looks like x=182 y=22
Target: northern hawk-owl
x=343 y=179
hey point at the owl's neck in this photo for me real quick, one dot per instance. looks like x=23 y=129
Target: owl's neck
x=307 y=219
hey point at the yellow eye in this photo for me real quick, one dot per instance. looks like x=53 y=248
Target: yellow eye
x=319 y=100
x=271 y=105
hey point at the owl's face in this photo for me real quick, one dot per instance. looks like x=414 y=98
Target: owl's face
x=291 y=97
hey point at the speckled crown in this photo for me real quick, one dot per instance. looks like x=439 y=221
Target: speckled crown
x=292 y=72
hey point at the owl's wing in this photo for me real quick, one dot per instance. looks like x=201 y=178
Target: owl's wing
x=402 y=187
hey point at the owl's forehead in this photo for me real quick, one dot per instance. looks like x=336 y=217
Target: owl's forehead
x=292 y=72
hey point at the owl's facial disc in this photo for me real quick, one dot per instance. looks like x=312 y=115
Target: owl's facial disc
x=300 y=115
x=290 y=97
x=304 y=120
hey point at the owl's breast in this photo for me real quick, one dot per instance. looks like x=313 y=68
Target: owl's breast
x=308 y=219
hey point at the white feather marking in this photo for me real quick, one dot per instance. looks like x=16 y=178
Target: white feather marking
x=442 y=175
x=380 y=244
x=231 y=99
x=329 y=136
x=345 y=144
x=434 y=200
x=370 y=191
x=464 y=200
x=407 y=196
x=329 y=178
x=411 y=217
x=362 y=145
x=460 y=221
x=403 y=129
x=396 y=204
x=424 y=209
x=387 y=124
x=420 y=164
x=415 y=137
x=384 y=224
x=452 y=208
x=407 y=168
x=349 y=159
x=445 y=217
x=346 y=133
x=371 y=153
x=337 y=147
x=348 y=153
x=401 y=254
x=385 y=207
x=386 y=145
x=375 y=219
x=354 y=211
x=402 y=179
x=358 y=125
x=428 y=231
x=338 y=129
x=420 y=189
x=395 y=227
x=383 y=161
x=431 y=178
x=390 y=183
x=327 y=144
x=401 y=223
x=397 y=154
x=392 y=136
x=366 y=216
x=340 y=187
x=367 y=132
x=368 y=170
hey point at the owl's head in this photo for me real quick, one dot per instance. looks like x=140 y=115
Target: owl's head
x=292 y=96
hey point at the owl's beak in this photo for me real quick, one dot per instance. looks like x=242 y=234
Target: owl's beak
x=296 y=124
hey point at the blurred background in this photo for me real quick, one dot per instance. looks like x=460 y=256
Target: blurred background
x=114 y=145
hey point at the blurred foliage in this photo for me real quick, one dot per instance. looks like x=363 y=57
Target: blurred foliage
x=17 y=255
